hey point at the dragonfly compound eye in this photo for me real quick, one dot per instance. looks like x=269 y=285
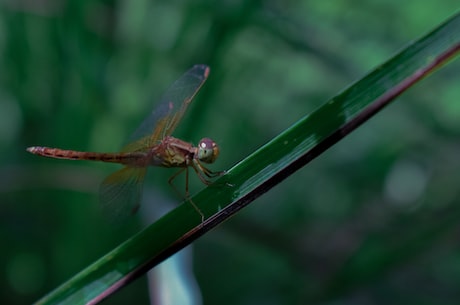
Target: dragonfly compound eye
x=208 y=151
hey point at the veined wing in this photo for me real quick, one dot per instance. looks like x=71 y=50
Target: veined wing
x=165 y=117
x=121 y=192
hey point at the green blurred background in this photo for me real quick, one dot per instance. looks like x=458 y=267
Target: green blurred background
x=374 y=220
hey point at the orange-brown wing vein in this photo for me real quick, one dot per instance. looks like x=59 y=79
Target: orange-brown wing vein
x=121 y=192
x=165 y=118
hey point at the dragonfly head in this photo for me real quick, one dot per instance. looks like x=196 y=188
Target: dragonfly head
x=208 y=151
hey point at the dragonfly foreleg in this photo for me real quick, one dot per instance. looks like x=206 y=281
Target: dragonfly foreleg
x=202 y=171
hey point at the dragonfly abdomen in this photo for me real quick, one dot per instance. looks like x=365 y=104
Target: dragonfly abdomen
x=57 y=153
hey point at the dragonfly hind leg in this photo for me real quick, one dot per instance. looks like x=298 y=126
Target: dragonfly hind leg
x=187 y=194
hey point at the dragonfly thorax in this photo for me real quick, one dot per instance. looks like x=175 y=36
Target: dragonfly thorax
x=208 y=151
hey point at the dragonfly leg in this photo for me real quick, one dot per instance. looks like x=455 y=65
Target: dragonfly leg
x=198 y=168
x=187 y=194
x=171 y=179
x=209 y=172
x=202 y=171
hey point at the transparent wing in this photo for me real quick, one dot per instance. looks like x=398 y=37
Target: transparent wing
x=121 y=192
x=165 y=117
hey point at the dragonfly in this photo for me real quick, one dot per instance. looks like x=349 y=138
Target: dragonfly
x=151 y=145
